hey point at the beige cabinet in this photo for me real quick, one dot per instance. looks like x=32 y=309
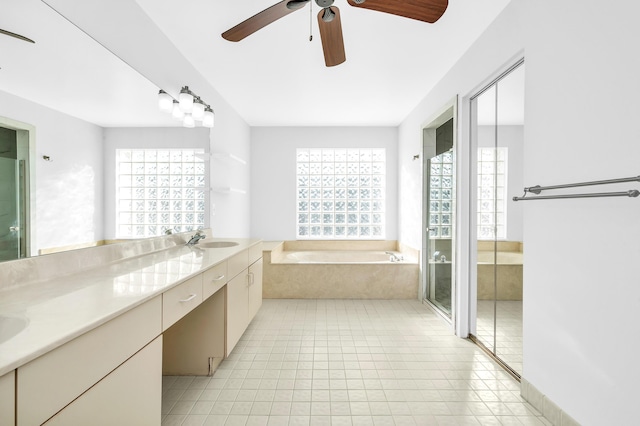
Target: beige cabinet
x=50 y=382
x=130 y=395
x=255 y=288
x=8 y=399
x=244 y=294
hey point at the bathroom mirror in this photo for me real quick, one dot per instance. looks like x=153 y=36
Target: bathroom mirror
x=498 y=136
x=56 y=96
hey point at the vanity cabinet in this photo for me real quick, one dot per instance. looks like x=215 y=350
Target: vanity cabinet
x=130 y=395
x=180 y=300
x=50 y=382
x=8 y=399
x=244 y=293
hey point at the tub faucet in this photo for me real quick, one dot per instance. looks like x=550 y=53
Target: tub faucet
x=196 y=237
x=394 y=257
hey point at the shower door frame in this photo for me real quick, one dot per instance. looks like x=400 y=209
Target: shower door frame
x=447 y=112
x=26 y=141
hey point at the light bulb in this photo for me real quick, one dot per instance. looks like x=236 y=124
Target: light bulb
x=188 y=121
x=165 y=101
x=198 y=109
x=177 y=112
x=208 y=119
x=186 y=99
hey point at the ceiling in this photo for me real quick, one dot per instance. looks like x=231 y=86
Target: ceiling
x=275 y=77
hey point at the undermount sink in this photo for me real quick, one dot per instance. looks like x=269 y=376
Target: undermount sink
x=217 y=244
x=10 y=326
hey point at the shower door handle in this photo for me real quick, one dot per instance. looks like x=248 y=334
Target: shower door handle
x=14 y=228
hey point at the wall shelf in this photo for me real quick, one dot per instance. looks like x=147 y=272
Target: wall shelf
x=228 y=190
x=227 y=157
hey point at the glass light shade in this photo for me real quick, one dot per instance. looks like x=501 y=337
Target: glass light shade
x=208 y=119
x=186 y=99
x=198 y=109
x=177 y=112
x=165 y=101
x=188 y=121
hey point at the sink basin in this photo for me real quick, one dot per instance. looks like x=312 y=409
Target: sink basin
x=217 y=244
x=10 y=326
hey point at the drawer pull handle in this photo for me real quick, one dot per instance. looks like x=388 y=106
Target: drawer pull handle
x=188 y=299
x=218 y=278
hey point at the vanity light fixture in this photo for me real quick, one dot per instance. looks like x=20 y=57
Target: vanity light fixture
x=165 y=101
x=176 y=111
x=198 y=108
x=189 y=121
x=188 y=108
x=186 y=99
x=209 y=117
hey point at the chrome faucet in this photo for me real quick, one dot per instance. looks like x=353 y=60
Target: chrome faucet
x=196 y=237
x=394 y=257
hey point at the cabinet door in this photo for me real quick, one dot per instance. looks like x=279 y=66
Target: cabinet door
x=237 y=309
x=255 y=288
x=8 y=399
x=130 y=395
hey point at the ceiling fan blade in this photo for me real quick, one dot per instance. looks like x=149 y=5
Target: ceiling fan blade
x=18 y=36
x=421 y=10
x=262 y=19
x=331 y=35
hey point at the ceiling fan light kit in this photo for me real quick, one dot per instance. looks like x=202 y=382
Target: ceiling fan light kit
x=329 y=20
x=188 y=108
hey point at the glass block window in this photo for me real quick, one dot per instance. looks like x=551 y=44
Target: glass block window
x=441 y=196
x=159 y=190
x=492 y=193
x=340 y=193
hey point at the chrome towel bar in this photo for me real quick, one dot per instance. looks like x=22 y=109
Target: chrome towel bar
x=538 y=189
x=632 y=193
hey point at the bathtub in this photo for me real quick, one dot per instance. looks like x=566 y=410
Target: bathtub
x=507 y=273
x=338 y=270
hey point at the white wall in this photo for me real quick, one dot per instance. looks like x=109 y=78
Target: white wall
x=273 y=178
x=581 y=291
x=582 y=288
x=68 y=199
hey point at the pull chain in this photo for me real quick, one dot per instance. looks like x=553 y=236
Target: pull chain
x=310 y=21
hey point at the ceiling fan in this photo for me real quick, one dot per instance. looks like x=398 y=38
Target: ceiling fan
x=329 y=20
x=18 y=36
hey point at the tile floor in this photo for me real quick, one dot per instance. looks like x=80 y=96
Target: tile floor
x=508 y=332
x=349 y=362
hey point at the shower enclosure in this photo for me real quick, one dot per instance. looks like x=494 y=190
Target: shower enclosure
x=12 y=198
x=439 y=213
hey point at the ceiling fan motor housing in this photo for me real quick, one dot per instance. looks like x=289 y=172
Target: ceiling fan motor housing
x=324 y=3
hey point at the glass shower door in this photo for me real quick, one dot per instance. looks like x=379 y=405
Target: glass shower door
x=10 y=226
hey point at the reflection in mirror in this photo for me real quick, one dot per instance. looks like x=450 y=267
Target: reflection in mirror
x=499 y=138
x=57 y=96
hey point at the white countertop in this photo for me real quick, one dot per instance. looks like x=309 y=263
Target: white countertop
x=63 y=308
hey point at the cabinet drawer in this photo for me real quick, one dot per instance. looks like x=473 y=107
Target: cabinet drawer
x=47 y=384
x=213 y=279
x=8 y=399
x=255 y=253
x=238 y=263
x=180 y=300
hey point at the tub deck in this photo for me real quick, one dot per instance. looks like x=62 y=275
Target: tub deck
x=339 y=270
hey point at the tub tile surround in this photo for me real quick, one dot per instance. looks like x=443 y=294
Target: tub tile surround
x=64 y=295
x=380 y=280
